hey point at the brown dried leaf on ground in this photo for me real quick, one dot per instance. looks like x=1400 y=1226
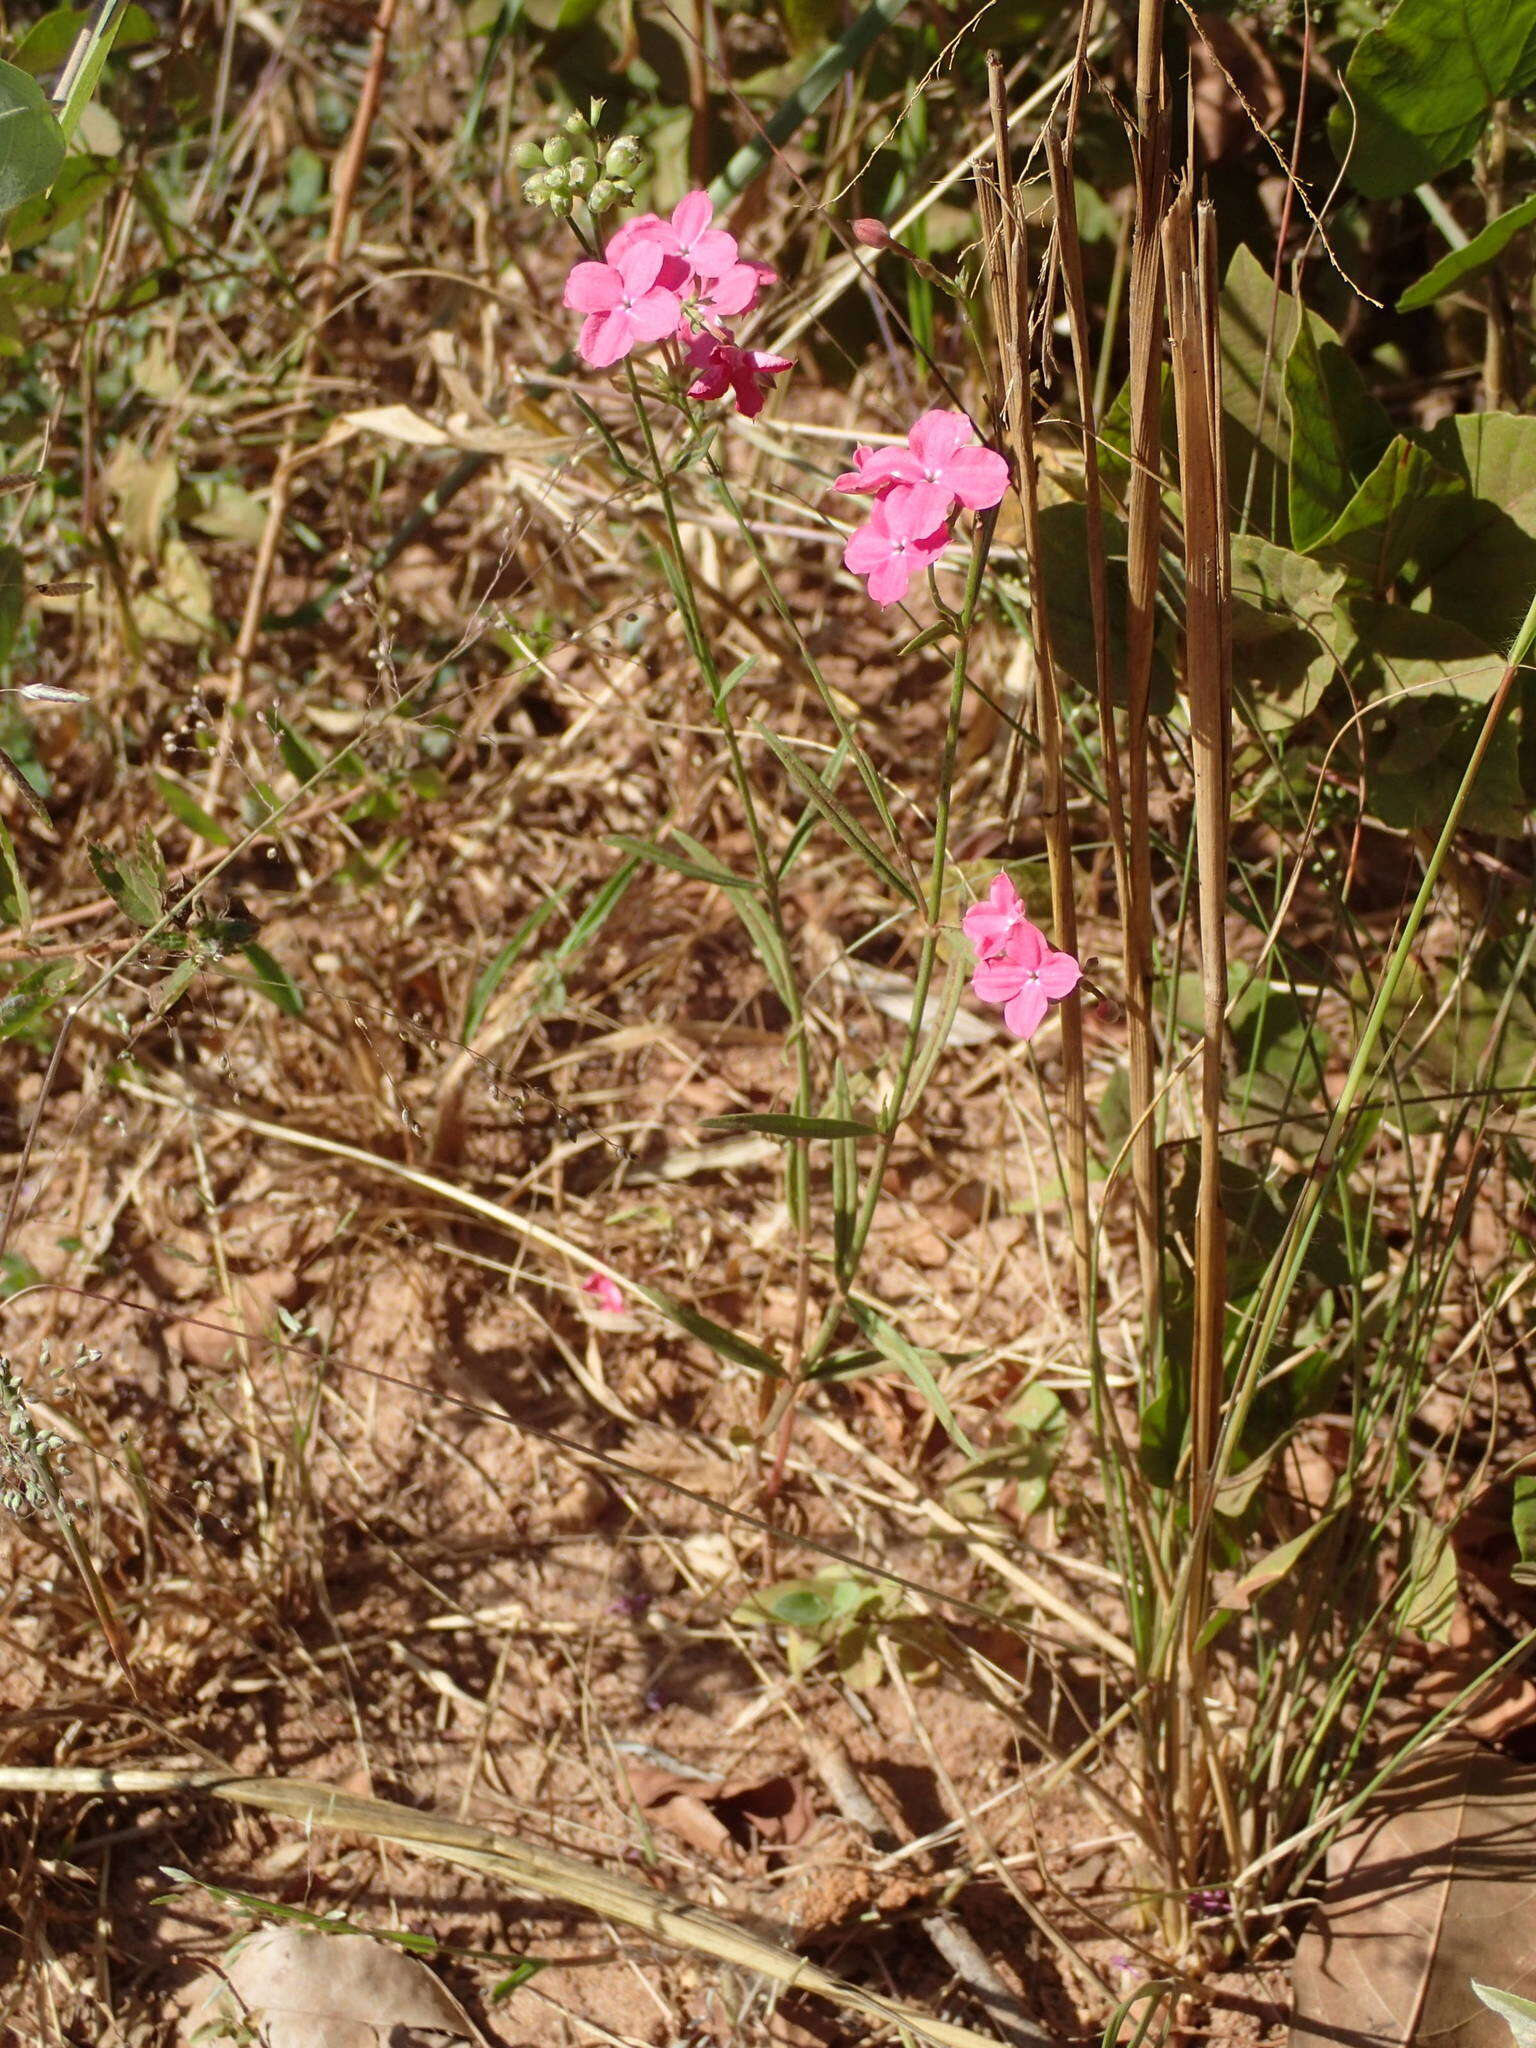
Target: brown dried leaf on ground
x=722 y=1816
x=1432 y=1886
x=307 y=1990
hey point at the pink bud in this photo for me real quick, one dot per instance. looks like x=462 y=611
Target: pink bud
x=874 y=234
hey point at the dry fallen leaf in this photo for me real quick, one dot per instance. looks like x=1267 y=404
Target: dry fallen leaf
x=720 y=1817
x=306 y=1990
x=1433 y=1885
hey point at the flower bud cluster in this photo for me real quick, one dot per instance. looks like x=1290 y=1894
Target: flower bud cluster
x=575 y=166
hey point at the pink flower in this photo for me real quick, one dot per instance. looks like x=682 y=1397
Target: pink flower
x=626 y=301
x=1025 y=974
x=724 y=367
x=707 y=251
x=736 y=290
x=941 y=466
x=990 y=924
x=606 y=1294
x=893 y=546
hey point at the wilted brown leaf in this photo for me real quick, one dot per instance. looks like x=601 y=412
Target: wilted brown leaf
x=1434 y=1885
x=301 y=1989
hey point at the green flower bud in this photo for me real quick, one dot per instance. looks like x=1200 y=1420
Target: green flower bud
x=601 y=197
x=560 y=205
x=558 y=180
x=534 y=189
x=623 y=191
x=578 y=127
x=557 y=152
x=528 y=157
x=624 y=154
x=582 y=176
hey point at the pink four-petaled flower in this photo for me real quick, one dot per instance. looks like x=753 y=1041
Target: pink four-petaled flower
x=679 y=279
x=892 y=547
x=918 y=486
x=626 y=301
x=941 y=466
x=707 y=251
x=1016 y=965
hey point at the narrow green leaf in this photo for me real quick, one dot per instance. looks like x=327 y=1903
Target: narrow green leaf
x=185 y=807
x=1518 y=2014
x=1522 y=1516
x=34 y=995
x=31 y=140
x=892 y=1345
x=725 y=1343
x=491 y=976
x=1464 y=266
x=13 y=597
x=705 y=870
x=176 y=983
x=842 y=820
x=274 y=980
x=597 y=912
x=776 y=1125
x=17 y=904
x=822 y=78
x=1270 y=1570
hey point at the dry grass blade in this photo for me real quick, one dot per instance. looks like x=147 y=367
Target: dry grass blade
x=1144 y=513
x=1188 y=240
x=1007 y=258
x=523 y=1866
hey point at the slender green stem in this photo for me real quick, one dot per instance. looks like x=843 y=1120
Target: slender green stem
x=928 y=952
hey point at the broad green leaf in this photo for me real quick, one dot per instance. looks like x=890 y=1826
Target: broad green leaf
x=1463 y=266
x=34 y=995
x=1287 y=634
x=1400 y=505
x=1429 y=1591
x=1422 y=86
x=31 y=140
x=491 y=976
x=82 y=181
x=1519 y=2014
x=786 y=1126
x=1338 y=434
x=914 y=1363
x=15 y=903
x=48 y=42
x=134 y=880
x=1258 y=328
x=183 y=805
x=1478 y=565
x=274 y=980
x=1069 y=601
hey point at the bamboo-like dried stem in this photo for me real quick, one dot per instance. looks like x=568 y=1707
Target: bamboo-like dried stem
x=1007 y=257
x=1144 y=512
x=1189 y=270
x=520 y=1865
